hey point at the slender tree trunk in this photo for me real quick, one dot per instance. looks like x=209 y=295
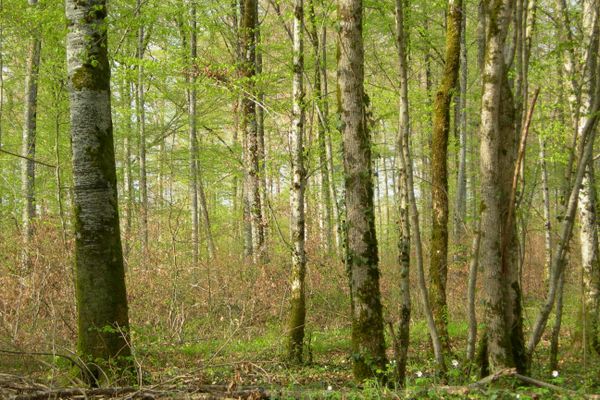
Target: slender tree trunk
x=438 y=270
x=471 y=294
x=405 y=162
x=404 y=202
x=554 y=340
x=325 y=208
x=368 y=344
x=127 y=89
x=547 y=217
x=498 y=14
x=297 y=296
x=29 y=138
x=460 y=213
x=249 y=126
x=103 y=323
x=262 y=151
x=141 y=126
x=588 y=134
x=194 y=153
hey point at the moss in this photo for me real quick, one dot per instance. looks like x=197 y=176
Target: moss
x=89 y=77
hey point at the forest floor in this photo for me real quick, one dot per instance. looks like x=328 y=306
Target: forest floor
x=248 y=364
x=218 y=329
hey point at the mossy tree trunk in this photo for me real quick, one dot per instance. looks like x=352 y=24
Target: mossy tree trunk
x=103 y=324
x=297 y=297
x=368 y=345
x=438 y=270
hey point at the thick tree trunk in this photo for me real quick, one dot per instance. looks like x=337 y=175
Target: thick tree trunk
x=29 y=138
x=297 y=296
x=368 y=344
x=586 y=209
x=438 y=270
x=498 y=14
x=405 y=162
x=103 y=324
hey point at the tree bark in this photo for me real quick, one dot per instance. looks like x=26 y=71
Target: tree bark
x=298 y=272
x=141 y=126
x=249 y=127
x=325 y=207
x=368 y=344
x=460 y=213
x=29 y=138
x=438 y=270
x=103 y=325
x=497 y=14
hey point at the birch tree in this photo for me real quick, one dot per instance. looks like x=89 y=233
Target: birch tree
x=102 y=314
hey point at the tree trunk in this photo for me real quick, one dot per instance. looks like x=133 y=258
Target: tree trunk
x=368 y=344
x=29 y=138
x=498 y=14
x=438 y=270
x=191 y=78
x=471 y=294
x=103 y=324
x=127 y=89
x=141 y=126
x=586 y=209
x=249 y=126
x=460 y=213
x=297 y=296
x=262 y=151
x=547 y=217
x=325 y=208
x=405 y=163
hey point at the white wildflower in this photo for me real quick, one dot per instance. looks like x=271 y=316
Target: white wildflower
x=329 y=388
x=455 y=363
x=555 y=374
x=419 y=374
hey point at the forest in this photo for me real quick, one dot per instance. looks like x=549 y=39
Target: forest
x=342 y=199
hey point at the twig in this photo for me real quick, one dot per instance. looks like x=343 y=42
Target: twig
x=27 y=158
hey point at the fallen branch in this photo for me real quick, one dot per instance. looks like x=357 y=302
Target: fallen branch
x=205 y=392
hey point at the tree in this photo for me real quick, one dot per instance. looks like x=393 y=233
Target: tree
x=497 y=14
x=368 y=345
x=29 y=135
x=249 y=128
x=103 y=322
x=438 y=271
x=298 y=307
